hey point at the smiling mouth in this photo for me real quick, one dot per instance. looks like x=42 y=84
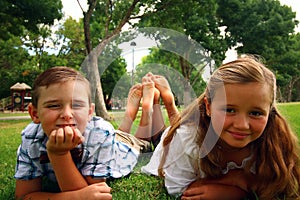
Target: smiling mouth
x=239 y=135
x=65 y=125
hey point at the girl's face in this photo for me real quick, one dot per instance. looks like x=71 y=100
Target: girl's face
x=239 y=112
x=63 y=104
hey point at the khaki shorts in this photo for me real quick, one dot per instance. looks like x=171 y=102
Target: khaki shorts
x=140 y=145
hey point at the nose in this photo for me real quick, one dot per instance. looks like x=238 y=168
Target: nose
x=67 y=113
x=241 y=122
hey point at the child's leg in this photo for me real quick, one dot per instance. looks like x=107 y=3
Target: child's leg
x=158 y=122
x=167 y=96
x=144 y=130
x=133 y=103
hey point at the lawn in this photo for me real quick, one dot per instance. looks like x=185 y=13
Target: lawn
x=135 y=186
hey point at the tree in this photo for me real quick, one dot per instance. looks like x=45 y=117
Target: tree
x=70 y=38
x=11 y=55
x=110 y=77
x=287 y=69
x=27 y=14
x=198 y=22
x=21 y=21
x=264 y=27
x=258 y=27
x=112 y=15
x=91 y=66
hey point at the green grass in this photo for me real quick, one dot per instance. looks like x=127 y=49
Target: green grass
x=9 y=114
x=135 y=186
x=291 y=113
x=10 y=139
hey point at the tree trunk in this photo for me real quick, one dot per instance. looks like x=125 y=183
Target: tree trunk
x=91 y=66
x=290 y=87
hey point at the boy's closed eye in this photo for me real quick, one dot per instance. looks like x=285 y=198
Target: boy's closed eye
x=77 y=105
x=53 y=106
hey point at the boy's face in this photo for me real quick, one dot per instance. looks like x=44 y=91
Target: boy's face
x=63 y=104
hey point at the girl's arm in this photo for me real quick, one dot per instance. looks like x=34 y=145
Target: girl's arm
x=234 y=184
x=179 y=167
x=197 y=190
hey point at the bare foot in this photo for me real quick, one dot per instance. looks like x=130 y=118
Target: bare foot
x=167 y=96
x=133 y=103
x=148 y=99
x=156 y=91
x=164 y=88
x=144 y=130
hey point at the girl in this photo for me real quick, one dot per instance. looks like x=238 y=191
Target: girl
x=231 y=140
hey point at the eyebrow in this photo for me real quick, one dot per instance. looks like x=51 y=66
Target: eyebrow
x=55 y=101
x=256 y=108
x=50 y=101
x=78 y=101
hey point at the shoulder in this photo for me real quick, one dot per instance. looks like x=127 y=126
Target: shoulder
x=185 y=140
x=99 y=130
x=33 y=141
x=186 y=134
x=33 y=132
x=99 y=123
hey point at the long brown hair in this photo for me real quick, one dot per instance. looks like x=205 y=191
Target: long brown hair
x=275 y=152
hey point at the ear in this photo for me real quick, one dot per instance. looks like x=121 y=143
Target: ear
x=207 y=106
x=91 y=110
x=32 y=110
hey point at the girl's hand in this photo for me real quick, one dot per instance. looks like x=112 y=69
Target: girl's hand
x=233 y=185
x=211 y=191
x=63 y=140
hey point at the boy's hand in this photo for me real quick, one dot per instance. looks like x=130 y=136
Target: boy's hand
x=62 y=140
x=96 y=191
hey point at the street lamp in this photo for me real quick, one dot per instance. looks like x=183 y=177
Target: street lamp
x=133 y=44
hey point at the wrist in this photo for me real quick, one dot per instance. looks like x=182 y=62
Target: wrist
x=58 y=155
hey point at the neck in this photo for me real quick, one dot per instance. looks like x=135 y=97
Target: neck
x=227 y=148
x=230 y=153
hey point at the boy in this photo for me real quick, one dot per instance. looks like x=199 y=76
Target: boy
x=62 y=112
x=70 y=146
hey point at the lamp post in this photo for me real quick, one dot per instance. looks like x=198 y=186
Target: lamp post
x=133 y=44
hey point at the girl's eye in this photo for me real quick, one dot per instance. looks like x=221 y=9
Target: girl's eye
x=256 y=113
x=230 y=110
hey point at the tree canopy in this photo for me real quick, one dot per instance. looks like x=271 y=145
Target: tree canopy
x=30 y=45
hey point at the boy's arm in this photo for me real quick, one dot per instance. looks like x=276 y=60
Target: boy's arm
x=58 y=146
x=31 y=189
x=67 y=175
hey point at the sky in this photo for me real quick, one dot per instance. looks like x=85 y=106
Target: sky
x=71 y=8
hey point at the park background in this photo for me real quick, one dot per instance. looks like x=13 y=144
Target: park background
x=36 y=35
